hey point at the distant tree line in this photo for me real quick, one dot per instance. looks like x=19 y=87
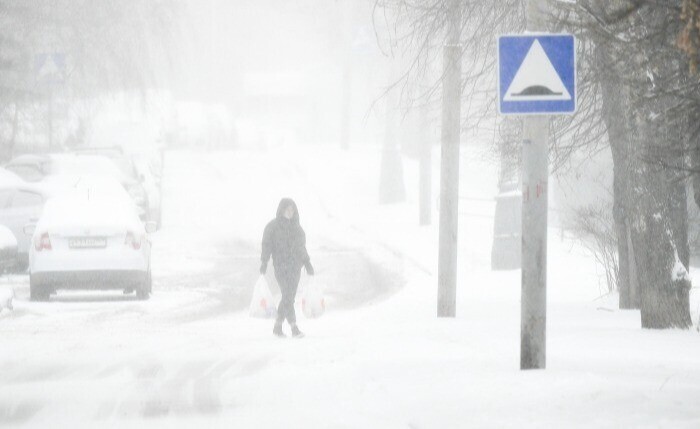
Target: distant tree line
x=104 y=45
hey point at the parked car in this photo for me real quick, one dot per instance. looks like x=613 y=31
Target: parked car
x=91 y=238
x=9 y=178
x=53 y=169
x=8 y=249
x=21 y=204
x=151 y=184
x=31 y=168
x=139 y=188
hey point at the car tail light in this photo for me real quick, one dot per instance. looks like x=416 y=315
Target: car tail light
x=44 y=242
x=133 y=241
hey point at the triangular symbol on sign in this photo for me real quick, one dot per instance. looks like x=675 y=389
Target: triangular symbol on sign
x=49 y=68
x=536 y=79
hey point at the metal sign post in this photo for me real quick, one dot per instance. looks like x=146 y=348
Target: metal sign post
x=50 y=70
x=537 y=76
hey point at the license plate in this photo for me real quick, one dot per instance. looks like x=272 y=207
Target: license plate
x=87 y=243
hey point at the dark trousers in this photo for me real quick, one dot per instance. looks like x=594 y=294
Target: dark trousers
x=288 y=281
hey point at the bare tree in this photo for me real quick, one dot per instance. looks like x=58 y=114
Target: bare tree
x=106 y=46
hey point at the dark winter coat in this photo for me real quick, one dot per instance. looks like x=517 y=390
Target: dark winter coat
x=285 y=241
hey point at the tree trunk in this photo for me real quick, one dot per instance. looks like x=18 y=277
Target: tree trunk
x=391 y=184
x=615 y=113
x=619 y=146
x=426 y=170
x=659 y=235
x=664 y=286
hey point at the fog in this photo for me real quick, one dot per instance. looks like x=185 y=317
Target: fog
x=340 y=214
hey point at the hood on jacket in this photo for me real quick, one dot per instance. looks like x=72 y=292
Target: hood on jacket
x=284 y=203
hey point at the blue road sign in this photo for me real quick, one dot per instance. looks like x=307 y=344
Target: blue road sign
x=50 y=67
x=536 y=74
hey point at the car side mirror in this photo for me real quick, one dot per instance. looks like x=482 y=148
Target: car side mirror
x=29 y=229
x=151 y=227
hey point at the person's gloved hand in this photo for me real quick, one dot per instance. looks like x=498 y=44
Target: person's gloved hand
x=309 y=268
x=263 y=268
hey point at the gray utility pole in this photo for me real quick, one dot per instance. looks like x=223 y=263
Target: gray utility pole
x=449 y=166
x=533 y=313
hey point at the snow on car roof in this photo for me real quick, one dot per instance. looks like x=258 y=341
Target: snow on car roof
x=8 y=178
x=96 y=165
x=29 y=159
x=7 y=238
x=91 y=201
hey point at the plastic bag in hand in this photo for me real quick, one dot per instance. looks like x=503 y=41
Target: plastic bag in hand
x=263 y=304
x=313 y=304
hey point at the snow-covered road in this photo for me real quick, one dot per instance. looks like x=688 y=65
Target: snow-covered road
x=191 y=357
x=103 y=355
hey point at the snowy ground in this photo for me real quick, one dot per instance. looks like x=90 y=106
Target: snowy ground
x=191 y=356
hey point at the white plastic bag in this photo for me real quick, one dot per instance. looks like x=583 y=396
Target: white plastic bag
x=263 y=303
x=313 y=304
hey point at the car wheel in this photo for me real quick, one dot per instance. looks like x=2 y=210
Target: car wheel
x=37 y=292
x=144 y=290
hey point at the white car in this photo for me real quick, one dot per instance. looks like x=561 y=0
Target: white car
x=91 y=238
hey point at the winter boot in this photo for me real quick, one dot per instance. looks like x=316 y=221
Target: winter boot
x=296 y=333
x=277 y=331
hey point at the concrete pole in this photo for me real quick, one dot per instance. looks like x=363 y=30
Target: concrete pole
x=449 y=167
x=533 y=316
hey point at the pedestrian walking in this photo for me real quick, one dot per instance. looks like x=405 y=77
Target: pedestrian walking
x=285 y=240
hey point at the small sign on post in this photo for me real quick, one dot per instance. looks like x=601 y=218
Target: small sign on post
x=50 y=68
x=536 y=76
x=50 y=71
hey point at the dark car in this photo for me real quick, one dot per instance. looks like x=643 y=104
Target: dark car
x=8 y=249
